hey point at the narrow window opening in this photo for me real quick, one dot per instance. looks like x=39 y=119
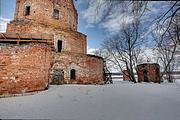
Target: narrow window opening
x=56 y=14
x=27 y=10
x=73 y=74
x=59 y=46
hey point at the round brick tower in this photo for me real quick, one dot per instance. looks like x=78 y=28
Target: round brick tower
x=56 y=17
x=59 y=18
x=44 y=16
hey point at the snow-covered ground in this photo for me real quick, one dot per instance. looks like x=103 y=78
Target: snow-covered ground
x=119 y=101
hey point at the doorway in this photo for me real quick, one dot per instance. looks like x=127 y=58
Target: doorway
x=57 y=77
x=73 y=74
x=146 y=76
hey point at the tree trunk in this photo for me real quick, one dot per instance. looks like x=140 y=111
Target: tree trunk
x=131 y=71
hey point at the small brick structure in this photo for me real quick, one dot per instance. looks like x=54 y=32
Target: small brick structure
x=42 y=46
x=126 y=76
x=88 y=68
x=148 y=72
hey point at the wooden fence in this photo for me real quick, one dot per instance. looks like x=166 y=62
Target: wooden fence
x=119 y=76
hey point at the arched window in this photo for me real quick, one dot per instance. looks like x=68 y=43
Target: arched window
x=27 y=10
x=56 y=14
x=73 y=74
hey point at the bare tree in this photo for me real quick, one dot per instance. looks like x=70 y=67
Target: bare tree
x=124 y=46
x=168 y=37
x=169 y=16
x=107 y=59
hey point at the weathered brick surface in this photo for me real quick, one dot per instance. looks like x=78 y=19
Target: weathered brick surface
x=89 y=69
x=24 y=68
x=152 y=70
x=41 y=12
x=29 y=67
x=41 y=21
x=71 y=41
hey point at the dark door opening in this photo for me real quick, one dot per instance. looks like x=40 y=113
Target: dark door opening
x=27 y=10
x=56 y=14
x=59 y=45
x=57 y=77
x=146 y=76
x=73 y=74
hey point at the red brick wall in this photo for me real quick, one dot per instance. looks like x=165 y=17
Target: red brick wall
x=41 y=11
x=24 y=67
x=72 y=41
x=27 y=67
x=89 y=69
x=153 y=72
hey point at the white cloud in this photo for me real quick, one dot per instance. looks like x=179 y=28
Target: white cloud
x=110 y=19
x=3 y=24
x=91 y=50
x=90 y=26
x=95 y=12
x=80 y=2
x=115 y=22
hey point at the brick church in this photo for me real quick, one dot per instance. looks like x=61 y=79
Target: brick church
x=42 y=46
